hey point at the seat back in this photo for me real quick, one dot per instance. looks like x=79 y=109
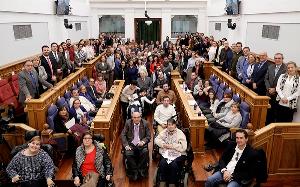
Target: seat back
x=245 y=112
x=220 y=91
x=236 y=98
x=215 y=85
x=62 y=102
x=79 y=83
x=15 y=84
x=52 y=112
x=7 y=96
x=68 y=95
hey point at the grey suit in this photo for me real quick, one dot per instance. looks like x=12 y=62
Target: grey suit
x=146 y=84
x=270 y=78
x=27 y=87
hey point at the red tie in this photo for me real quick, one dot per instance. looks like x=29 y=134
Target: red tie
x=50 y=65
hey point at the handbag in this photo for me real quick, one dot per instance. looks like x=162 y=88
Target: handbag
x=90 y=180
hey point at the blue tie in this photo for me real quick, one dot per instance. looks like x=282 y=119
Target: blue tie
x=32 y=79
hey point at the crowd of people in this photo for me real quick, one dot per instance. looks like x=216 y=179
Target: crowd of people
x=146 y=69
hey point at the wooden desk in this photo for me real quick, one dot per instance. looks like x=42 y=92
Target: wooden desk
x=108 y=120
x=189 y=117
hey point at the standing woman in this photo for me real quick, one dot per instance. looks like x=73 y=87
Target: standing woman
x=33 y=167
x=41 y=72
x=288 y=89
x=91 y=161
x=62 y=62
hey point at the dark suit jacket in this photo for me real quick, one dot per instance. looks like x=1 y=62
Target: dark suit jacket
x=270 y=78
x=27 y=87
x=92 y=94
x=245 y=167
x=44 y=63
x=127 y=134
x=258 y=77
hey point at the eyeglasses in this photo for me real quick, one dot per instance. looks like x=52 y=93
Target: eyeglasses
x=237 y=157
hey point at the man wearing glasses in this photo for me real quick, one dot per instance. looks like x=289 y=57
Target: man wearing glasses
x=237 y=163
x=135 y=138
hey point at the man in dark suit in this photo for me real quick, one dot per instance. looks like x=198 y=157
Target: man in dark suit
x=135 y=138
x=29 y=83
x=271 y=78
x=49 y=64
x=92 y=92
x=236 y=164
x=258 y=75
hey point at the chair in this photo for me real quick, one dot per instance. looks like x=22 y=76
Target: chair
x=62 y=102
x=220 y=91
x=15 y=84
x=236 y=98
x=215 y=85
x=60 y=139
x=8 y=98
x=79 y=83
x=245 y=112
x=68 y=95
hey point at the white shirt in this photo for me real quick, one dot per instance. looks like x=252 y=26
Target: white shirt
x=212 y=53
x=234 y=160
x=287 y=90
x=162 y=114
x=84 y=102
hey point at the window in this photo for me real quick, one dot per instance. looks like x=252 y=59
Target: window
x=270 y=31
x=181 y=25
x=77 y=26
x=112 y=24
x=218 y=26
x=22 y=31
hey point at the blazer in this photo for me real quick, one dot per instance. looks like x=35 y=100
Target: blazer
x=127 y=134
x=245 y=167
x=258 y=75
x=270 y=78
x=27 y=87
x=146 y=84
x=45 y=64
x=92 y=94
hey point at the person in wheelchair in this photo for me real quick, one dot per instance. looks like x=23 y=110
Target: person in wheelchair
x=173 y=145
x=135 y=138
x=163 y=112
x=92 y=165
x=237 y=163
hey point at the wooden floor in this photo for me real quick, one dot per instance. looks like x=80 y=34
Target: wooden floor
x=64 y=173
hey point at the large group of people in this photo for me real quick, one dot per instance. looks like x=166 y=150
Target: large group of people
x=146 y=69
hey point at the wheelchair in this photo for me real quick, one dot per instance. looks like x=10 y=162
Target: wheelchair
x=187 y=165
x=127 y=169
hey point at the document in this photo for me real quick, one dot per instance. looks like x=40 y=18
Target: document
x=70 y=123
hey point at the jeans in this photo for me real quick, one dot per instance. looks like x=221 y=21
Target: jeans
x=217 y=178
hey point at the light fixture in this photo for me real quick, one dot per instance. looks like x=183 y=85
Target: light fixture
x=148 y=21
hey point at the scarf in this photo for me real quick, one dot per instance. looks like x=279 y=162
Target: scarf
x=293 y=102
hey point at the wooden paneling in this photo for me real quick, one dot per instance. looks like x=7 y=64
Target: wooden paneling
x=189 y=117
x=108 y=120
x=258 y=104
x=281 y=142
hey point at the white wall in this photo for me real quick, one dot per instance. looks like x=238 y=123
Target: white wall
x=164 y=10
x=254 y=14
x=46 y=26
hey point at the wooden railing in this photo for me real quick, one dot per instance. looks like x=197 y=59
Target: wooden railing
x=258 y=104
x=189 y=117
x=108 y=120
x=281 y=142
x=37 y=108
x=12 y=139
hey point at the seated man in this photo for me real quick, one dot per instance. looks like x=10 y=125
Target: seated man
x=236 y=164
x=135 y=138
x=166 y=92
x=172 y=147
x=163 y=112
